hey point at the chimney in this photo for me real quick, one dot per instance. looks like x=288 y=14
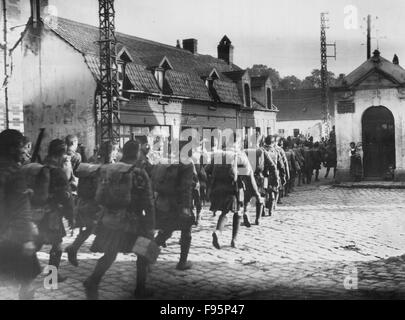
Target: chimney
x=225 y=50
x=395 y=60
x=178 y=44
x=190 y=45
x=37 y=10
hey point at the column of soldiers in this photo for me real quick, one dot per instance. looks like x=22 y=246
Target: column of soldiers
x=125 y=197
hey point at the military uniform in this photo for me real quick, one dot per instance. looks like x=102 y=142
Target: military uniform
x=173 y=187
x=227 y=188
x=119 y=229
x=16 y=225
x=264 y=170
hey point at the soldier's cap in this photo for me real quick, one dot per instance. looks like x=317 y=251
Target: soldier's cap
x=57 y=147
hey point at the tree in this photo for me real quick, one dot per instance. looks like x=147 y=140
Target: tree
x=314 y=80
x=259 y=70
x=290 y=83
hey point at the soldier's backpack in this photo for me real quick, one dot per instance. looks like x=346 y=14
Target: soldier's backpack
x=38 y=179
x=114 y=185
x=87 y=174
x=226 y=170
x=164 y=179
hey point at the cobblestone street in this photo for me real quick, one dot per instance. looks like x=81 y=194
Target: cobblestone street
x=319 y=236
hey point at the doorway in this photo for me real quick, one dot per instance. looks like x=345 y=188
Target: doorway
x=378 y=141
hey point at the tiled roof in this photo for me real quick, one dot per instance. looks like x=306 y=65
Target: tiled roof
x=380 y=64
x=185 y=78
x=296 y=105
x=187 y=85
x=257 y=105
x=141 y=79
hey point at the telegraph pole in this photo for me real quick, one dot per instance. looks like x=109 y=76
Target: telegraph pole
x=5 y=57
x=324 y=71
x=368 y=37
x=109 y=87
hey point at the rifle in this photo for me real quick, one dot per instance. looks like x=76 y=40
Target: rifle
x=35 y=155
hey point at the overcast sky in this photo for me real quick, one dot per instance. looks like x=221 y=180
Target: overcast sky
x=282 y=34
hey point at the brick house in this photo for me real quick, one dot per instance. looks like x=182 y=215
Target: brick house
x=168 y=88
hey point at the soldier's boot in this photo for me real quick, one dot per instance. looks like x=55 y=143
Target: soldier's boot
x=259 y=210
x=220 y=226
x=75 y=246
x=184 y=250
x=161 y=239
x=275 y=201
x=141 y=274
x=55 y=256
x=235 y=229
x=198 y=218
x=317 y=175
x=246 y=221
x=91 y=284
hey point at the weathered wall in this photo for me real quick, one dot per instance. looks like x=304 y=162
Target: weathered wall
x=16 y=16
x=58 y=90
x=349 y=126
x=178 y=113
x=147 y=111
x=307 y=127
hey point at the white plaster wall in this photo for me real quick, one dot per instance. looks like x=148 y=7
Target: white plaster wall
x=349 y=128
x=306 y=127
x=58 y=90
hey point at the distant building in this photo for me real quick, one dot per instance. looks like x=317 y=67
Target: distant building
x=370 y=111
x=168 y=88
x=15 y=25
x=300 y=112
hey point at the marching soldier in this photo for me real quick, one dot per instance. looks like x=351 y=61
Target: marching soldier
x=228 y=189
x=126 y=216
x=286 y=176
x=292 y=165
x=59 y=205
x=173 y=186
x=18 y=258
x=274 y=182
x=88 y=211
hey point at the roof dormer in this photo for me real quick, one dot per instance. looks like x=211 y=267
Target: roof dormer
x=124 y=55
x=160 y=71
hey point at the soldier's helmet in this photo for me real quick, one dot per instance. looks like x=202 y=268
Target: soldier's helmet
x=130 y=151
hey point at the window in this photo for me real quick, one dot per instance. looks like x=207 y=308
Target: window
x=269 y=98
x=281 y=132
x=296 y=132
x=159 y=75
x=247 y=95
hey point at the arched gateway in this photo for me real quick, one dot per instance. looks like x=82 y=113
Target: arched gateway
x=378 y=131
